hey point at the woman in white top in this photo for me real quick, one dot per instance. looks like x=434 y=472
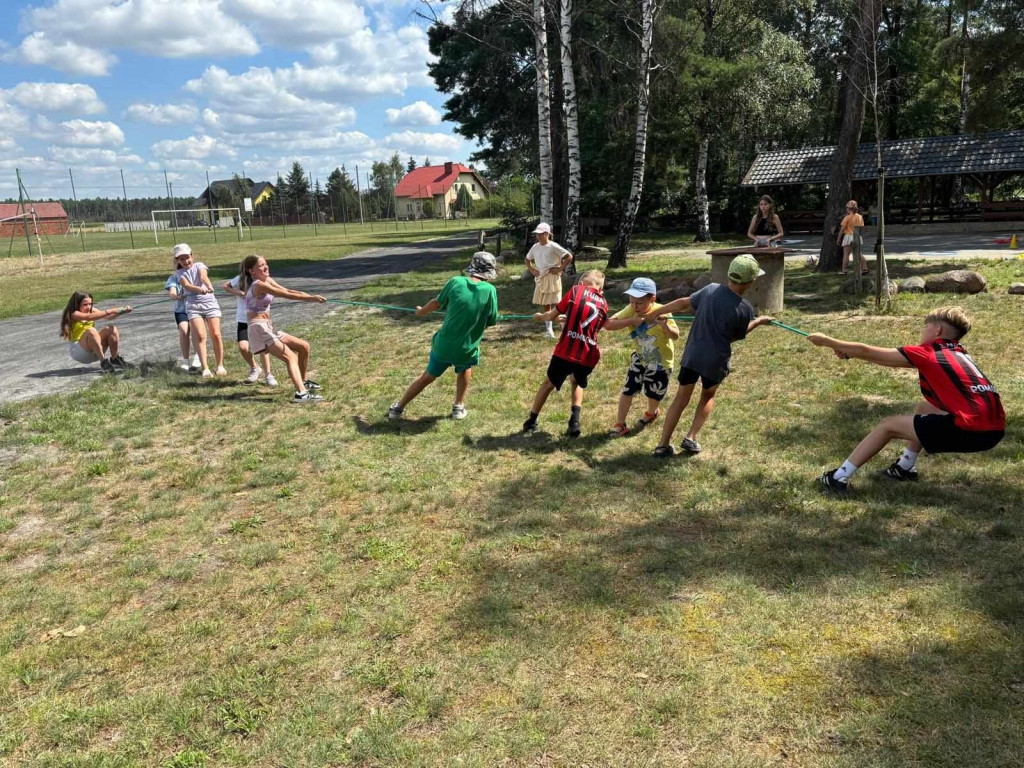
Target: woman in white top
x=547 y=260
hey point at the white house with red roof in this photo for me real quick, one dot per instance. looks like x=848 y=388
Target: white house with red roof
x=50 y=218
x=440 y=184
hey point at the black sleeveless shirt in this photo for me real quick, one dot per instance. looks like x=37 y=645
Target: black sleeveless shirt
x=764 y=227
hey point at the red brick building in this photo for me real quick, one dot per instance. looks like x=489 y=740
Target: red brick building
x=50 y=217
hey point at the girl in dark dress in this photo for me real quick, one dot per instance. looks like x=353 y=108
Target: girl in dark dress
x=765 y=228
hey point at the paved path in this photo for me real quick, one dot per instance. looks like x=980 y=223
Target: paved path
x=941 y=247
x=36 y=360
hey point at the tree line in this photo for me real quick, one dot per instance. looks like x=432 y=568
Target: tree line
x=658 y=107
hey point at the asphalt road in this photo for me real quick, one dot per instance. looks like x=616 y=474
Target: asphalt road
x=38 y=362
x=952 y=247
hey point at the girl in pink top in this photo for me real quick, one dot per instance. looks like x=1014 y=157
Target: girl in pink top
x=260 y=289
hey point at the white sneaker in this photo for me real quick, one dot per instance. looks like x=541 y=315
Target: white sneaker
x=307 y=397
x=195 y=364
x=221 y=370
x=395 y=412
x=207 y=373
x=458 y=412
x=254 y=374
x=550 y=333
x=183 y=364
x=271 y=381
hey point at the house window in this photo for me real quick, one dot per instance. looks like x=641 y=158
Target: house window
x=410 y=207
x=474 y=187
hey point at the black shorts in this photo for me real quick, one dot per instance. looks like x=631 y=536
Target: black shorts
x=938 y=433
x=559 y=369
x=242 y=333
x=180 y=317
x=688 y=376
x=653 y=380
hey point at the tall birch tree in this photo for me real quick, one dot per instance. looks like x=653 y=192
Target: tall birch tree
x=540 y=41
x=570 y=236
x=617 y=259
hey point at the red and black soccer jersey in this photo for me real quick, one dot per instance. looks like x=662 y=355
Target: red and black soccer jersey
x=952 y=382
x=585 y=313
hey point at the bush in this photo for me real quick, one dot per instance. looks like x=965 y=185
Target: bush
x=428 y=209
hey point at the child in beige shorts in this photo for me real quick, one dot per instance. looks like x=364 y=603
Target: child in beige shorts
x=547 y=260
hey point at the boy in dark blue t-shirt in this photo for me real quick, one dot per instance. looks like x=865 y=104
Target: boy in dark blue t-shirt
x=721 y=316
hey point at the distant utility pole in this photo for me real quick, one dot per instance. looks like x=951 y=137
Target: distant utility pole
x=359 y=196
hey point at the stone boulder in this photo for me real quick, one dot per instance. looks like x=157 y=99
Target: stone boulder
x=1016 y=289
x=593 y=252
x=507 y=257
x=703 y=279
x=955 y=281
x=867 y=286
x=912 y=285
x=674 y=292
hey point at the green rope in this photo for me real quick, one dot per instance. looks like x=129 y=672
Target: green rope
x=777 y=324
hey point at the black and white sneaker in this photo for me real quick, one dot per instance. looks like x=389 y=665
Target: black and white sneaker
x=307 y=397
x=395 y=412
x=829 y=481
x=665 y=451
x=691 y=446
x=574 y=429
x=124 y=365
x=529 y=426
x=107 y=367
x=311 y=385
x=896 y=472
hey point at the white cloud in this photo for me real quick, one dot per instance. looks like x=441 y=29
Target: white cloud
x=264 y=99
x=417 y=141
x=12 y=119
x=417 y=113
x=81 y=133
x=385 y=61
x=179 y=29
x=192 y=148
x=65 y=56
x=300 y=23
x=162 y=114
x=57 y=97
x=93 y=157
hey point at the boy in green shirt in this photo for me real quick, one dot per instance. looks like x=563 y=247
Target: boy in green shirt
x=471 y=305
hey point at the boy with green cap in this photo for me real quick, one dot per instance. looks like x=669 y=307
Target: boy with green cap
x=471 y=305
x=721 y=317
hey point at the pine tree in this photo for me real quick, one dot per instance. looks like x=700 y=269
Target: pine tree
x=297 y=186
x=411 y=165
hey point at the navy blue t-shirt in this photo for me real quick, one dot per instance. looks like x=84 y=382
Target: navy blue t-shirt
x=720 y=317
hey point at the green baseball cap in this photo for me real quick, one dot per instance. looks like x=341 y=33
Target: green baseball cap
x=744 y=269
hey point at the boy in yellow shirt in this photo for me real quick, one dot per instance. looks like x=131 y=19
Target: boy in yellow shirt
x=650 y=367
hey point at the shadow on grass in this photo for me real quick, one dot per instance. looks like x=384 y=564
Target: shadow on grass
x=403 y=426
x=565 y=542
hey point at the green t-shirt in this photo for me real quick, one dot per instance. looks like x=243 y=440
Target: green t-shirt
x=470 y=306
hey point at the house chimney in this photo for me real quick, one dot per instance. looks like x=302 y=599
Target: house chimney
x=447 y=169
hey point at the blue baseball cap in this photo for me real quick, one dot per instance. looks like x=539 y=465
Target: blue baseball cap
x=642 y=286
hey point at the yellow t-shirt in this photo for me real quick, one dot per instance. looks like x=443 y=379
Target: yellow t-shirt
x=78 y=328
x=653 y=344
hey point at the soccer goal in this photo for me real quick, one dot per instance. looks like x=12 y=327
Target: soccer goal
x=196 y=218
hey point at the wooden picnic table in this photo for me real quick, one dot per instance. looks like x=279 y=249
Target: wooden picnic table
x=767 y=292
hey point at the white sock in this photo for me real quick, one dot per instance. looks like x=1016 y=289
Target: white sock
x=548 y=326
x=908 y=460
x=846 y=471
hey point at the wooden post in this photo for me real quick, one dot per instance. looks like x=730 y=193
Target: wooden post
x=498 y=247
x=855 y=251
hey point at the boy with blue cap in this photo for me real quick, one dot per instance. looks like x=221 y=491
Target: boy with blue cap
x=721 y=317
x=650 y=366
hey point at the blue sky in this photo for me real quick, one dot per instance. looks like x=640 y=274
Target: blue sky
x=229 y=86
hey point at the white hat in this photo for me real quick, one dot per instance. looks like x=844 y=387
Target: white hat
x=182 y=249
x=542 y=227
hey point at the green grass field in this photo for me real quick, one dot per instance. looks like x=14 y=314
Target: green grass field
x=27 y=288
x=263 y=584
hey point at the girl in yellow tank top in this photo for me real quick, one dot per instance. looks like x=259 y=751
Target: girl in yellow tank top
x=86 y=344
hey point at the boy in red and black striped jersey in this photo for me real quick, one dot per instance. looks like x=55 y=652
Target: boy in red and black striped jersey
x=961 y=411
x=576 y=353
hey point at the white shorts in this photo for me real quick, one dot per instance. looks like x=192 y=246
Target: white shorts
x=261 y=336
x=847 y=240
x=206 y=313
x=80 y=354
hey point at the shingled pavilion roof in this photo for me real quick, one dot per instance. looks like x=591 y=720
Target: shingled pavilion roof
x=1001 y=152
